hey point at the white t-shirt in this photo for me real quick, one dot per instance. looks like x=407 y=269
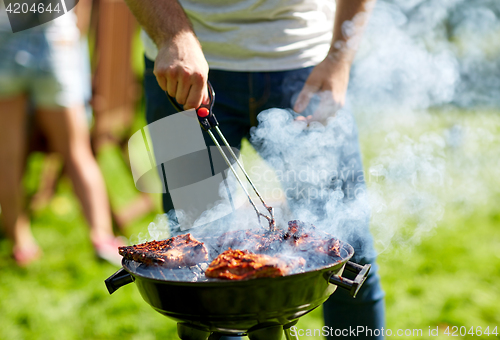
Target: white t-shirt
x=259 y=35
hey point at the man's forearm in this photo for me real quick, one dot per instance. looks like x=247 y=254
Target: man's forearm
x=163 y=20
x=180 y=66
x=350 y=19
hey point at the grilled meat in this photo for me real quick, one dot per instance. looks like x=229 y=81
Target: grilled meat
x=299 y=236
x=239 y=238
x=242 y=264
x=312 y=239
x=296 y=234
x=254 y=240
x=297 y=227
x=330 y=247
x=262 y=253
x=182 y=250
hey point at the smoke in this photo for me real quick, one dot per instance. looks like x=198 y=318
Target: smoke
x=408 y=175
x=159 y=229
x=418 y=60
x=396 y=71
x=230 y=212
x=420 y=63
x=422 y=53
x=321 y=172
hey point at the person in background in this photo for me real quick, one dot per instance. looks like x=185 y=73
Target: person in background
x=40 y=72
x=259 y=55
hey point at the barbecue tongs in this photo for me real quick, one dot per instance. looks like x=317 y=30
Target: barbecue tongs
x=208 y=122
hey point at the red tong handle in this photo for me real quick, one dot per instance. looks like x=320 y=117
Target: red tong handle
x=205 y=115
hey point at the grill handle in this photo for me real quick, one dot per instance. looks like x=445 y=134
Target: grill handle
x=117 y=280
x=352 y=286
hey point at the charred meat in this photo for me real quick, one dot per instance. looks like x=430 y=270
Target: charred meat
x=242 y=264
x=304 y=237
x=254 y=240
x=243 y=254
x=296 y=234
x=182 y=250
x=299 y=236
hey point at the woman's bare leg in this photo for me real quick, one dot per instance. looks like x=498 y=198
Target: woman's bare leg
x=12 y=154
x=68 y=134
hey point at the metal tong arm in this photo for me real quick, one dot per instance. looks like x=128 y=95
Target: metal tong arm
x=244 y=172
x=208 y=122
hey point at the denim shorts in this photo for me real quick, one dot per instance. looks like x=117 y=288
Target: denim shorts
x=240 y=97
x=43 y=66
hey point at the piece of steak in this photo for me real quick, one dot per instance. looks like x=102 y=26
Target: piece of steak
x=242 y=264
x=179 y=251
x=305 y=236
x=255 y=240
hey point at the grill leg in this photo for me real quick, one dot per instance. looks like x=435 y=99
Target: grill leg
x=289 y=335
x=267 y=333
x=288 y=331
x=188 y=332
x=214 y=336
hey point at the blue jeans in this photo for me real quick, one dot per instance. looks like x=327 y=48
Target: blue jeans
x=240 y=96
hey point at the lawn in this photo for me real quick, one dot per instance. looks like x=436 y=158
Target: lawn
x=447 y=276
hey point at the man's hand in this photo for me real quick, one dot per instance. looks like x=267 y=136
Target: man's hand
x=328 y=80
x=182 y=71
x=180 y=66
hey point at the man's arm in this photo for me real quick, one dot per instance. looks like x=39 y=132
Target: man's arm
x=330 y=77
x=180 y=67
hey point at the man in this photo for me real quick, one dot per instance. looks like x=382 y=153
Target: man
x=259 y=55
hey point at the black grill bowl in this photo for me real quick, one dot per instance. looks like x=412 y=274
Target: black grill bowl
x=234 y=307
x=231 y=306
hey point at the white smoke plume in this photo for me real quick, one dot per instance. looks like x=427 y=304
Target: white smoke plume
x=420 y=59
x=417 y=57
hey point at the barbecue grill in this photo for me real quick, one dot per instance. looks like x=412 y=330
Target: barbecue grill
x=261 y=308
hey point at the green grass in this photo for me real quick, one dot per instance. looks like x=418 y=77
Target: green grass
x=450 y=278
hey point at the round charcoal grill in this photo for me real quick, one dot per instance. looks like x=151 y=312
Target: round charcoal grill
x=261 y=308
